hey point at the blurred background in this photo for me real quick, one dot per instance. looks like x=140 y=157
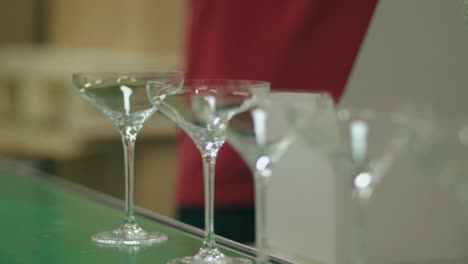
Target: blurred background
x=44 y=120
x=414 y=50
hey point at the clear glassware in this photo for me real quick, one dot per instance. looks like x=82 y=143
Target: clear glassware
x=122 y=97
x=464 y=3
x=203 y=108
x=261 y=136
x=442 y=152
x=362 y=144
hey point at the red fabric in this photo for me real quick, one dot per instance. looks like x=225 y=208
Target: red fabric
x=297 y=44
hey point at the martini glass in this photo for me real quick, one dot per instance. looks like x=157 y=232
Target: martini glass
x=203 y=108
x=261 y=136
x=443 y=154
x=121 y=96
x=464 y=3
x=362 y=144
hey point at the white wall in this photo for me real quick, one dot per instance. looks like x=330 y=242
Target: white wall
x=414 y=49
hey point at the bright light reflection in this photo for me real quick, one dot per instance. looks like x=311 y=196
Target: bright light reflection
x=216 y=121
x=127 y=92
x=262 y=163
x=363 y=180
x=209 y=146
x=358 y=134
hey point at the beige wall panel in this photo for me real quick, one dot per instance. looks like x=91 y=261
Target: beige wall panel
x=140 y=26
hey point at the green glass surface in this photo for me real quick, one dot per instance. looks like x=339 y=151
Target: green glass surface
x=46 y=223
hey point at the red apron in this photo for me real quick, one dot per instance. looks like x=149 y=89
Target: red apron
x=293 y=44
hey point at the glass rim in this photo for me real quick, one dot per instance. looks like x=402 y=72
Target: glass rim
x=385 y=110
x=302 y=91
x=197 y=84
x=188 y=82
x=130 y=73
x=353 y=112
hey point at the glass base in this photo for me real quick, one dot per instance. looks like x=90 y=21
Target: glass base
x=129 y=234
x=212 y=256
x=263 y=262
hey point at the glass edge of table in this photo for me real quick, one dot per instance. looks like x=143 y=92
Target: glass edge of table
x=93 y=195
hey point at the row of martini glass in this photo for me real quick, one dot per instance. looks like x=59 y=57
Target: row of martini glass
x=261 y=124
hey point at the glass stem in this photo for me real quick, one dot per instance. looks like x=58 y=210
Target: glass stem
x=261 y=185
x=128 y=139
x=360 y=227
x=129 y=257
x=209 y=161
